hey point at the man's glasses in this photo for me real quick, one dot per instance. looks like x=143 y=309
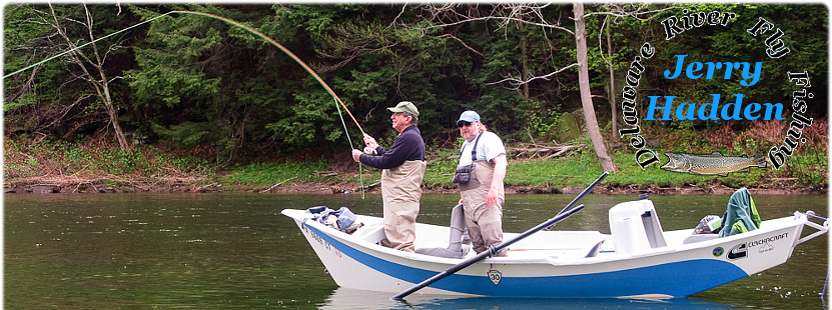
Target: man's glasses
x=460 y=124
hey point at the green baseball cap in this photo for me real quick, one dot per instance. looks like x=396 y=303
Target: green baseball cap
x=405 y=106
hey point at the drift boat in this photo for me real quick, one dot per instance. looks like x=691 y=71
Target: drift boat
x=636 y=260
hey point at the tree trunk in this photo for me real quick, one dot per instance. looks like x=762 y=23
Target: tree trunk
x=112 y=112
x=525 y=74
x=101 y=87
x=586 y=99
x=611 y=94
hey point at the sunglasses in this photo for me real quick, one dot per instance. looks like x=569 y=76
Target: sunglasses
x=460 y=124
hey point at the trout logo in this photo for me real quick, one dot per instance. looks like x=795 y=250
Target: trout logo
x=713 y=163
x=495 y=276
x=722 y=107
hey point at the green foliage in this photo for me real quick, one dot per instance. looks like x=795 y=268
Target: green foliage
x=187 y=133
x=168 y=61
x=27 y=158
x=265 y=174
x=213 y=87
x=543 y=122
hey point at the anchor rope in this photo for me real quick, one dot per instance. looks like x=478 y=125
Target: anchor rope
x=815 y=216
x=825 y=282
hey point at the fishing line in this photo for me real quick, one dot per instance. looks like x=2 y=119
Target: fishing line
x=311 y=72
x=288 y=52
x=259 y=34
x=96 y=40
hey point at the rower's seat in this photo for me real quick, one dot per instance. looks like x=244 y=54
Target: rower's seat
x=635 y=227
x=458 y=244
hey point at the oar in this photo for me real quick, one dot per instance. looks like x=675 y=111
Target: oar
x=581 y=196
x=565 y=213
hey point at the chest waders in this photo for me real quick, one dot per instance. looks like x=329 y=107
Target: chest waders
x=401 y=190
x=485 y=223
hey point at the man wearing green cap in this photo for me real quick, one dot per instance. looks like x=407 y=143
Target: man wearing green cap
x=401 y=178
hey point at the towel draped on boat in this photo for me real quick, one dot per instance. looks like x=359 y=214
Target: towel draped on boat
x=741 y=215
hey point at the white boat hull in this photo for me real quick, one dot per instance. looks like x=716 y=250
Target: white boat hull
x=553 y=263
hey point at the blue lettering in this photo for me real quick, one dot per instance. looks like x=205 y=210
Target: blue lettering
x=679 y=65
x=693 y=68
x=711 y=66
x=680 y=111
x=756 y=77
x=777 y=115
x=714 y=107
x=652 y=107
x=750 y=112
x=737 y=107
x=708 y=111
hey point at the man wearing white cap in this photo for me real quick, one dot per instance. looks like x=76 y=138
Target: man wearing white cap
x=482 y=195
x=401 y=178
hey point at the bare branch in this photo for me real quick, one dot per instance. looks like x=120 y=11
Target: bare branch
x=619 y=10
x=516 y=83
x=505 y=21
x=448 y=35
x=393 y=23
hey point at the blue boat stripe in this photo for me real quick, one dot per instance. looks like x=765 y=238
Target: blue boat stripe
x=685 y=276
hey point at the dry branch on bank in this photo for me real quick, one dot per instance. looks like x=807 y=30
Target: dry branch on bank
x=536 y=150
x=104 y=183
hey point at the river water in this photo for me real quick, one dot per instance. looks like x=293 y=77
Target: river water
x=216 y=251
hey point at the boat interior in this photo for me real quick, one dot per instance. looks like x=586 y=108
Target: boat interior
x=634 y=226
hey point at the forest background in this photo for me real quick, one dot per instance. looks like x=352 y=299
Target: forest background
x=187 y=102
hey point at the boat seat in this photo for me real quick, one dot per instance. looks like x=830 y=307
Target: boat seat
x=458 y=244
x=372 y=233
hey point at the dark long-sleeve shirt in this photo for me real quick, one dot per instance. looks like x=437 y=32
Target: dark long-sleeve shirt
x=407 y=146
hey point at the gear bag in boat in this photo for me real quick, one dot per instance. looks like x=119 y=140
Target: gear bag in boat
x=343 y=219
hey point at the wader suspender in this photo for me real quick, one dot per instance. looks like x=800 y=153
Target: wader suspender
x=473 y=151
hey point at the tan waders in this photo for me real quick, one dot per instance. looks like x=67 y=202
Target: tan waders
x=401 y=189
x=484 y=223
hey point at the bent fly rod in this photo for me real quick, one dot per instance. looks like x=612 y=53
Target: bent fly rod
x=235 y=23
x=251 y=30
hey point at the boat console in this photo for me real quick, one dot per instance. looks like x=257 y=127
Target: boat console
x=635 y=227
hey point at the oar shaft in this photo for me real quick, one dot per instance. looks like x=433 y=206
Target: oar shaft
x=563 y=214
x=584 y=193
x=442 y=274
x=484 y=254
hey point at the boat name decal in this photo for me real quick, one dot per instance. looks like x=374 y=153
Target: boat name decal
x=741 y=250
x=495 y=276
x=320 y=240
x=767 y=240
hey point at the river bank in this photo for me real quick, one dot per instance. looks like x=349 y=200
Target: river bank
x=45 y=166
x=100 y=185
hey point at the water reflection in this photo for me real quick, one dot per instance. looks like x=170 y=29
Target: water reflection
x=343 y=298
x=216 y=251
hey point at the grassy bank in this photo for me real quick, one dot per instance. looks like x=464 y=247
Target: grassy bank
x=807 y=172
x=96 y=164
